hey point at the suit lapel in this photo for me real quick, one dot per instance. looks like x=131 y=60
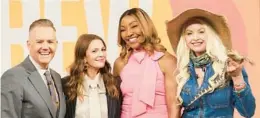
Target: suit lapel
x=109 y=106
x=56 y=79
x=57 y=83
x=39 y=85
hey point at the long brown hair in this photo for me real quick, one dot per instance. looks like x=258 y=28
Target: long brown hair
x=78 y=69
x=151 y=40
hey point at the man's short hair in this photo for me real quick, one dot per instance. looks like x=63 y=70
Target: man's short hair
x=42 y=23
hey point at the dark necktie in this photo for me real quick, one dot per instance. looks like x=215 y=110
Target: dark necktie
x=51 y=88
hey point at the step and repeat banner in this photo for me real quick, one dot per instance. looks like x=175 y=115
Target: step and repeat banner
x=74 y=17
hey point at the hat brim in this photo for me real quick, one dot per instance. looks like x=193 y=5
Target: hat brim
x=174 y=27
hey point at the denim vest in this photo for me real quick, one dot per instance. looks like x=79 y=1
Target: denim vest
x=218 y=104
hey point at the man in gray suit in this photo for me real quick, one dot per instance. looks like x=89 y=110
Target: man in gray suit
x=31 y=89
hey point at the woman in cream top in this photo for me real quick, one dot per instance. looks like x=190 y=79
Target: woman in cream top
x=91 y=91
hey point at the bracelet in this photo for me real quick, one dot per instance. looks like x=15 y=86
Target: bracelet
x=239 y=85
x=239 y=91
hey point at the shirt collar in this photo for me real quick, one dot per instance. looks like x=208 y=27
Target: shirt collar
x=98 y=79
x=38 y=67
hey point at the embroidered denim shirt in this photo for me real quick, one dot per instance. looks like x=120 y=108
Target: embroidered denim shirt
x=218 y=104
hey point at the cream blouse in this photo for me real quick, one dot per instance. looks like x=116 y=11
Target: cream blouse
x=94 y=104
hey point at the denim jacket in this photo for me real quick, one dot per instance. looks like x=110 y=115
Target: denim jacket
x=218 y=104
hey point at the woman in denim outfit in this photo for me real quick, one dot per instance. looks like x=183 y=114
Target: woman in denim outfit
x=211 y=78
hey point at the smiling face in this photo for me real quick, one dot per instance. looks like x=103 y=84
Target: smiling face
x=131 y=32
x=42 y=45
x=96 y=54
x=196 y=38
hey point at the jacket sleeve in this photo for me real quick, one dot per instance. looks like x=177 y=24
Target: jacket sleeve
x=244 y=100
x=70 y=105
x=11 y=96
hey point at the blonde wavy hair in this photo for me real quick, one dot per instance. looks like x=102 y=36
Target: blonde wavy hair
x=214 y=48
x=151 y=40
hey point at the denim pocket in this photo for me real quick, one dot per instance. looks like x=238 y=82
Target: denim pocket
x=219 y=98
x=186 y=94
x=186 y=90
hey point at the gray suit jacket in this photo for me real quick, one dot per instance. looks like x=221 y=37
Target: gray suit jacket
x=24 y=94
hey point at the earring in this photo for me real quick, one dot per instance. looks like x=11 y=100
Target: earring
x=86 y=65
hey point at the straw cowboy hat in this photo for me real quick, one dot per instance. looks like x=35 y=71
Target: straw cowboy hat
x=174 y=27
